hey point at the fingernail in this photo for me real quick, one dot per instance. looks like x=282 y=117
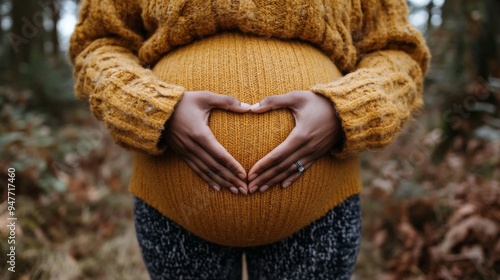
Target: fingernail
x=255 y=106
x=245 y=105
x=264 y=188
x=242 y=176
x=252 y=177
x=253 y=189
x=234 y=190
x=286 y=184
x=217 y=188
x=243 y=191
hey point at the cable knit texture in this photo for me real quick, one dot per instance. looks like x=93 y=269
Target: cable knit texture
x=361 y=54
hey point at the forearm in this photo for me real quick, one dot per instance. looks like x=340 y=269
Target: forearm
x=131 y=100
x=375 y=101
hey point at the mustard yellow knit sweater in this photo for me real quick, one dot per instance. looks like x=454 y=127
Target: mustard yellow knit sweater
x=133 y=59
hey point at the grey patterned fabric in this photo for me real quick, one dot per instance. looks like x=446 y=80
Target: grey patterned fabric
x=325 y=249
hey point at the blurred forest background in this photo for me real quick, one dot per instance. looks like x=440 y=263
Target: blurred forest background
x=431 y=201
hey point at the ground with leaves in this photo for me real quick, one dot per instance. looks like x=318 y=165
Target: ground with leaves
x=422 y=220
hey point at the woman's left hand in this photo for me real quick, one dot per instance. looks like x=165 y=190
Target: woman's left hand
x=317 y=130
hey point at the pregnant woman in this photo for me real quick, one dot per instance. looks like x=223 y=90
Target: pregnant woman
x=246 y=119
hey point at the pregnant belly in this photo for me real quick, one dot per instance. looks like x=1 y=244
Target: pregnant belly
x=249 y=68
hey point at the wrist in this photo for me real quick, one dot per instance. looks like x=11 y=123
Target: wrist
x=339 y=131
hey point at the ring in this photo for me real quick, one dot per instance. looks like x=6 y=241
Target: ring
x=300 y=167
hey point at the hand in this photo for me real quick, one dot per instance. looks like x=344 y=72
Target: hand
x=188 y=134
x=317 y=130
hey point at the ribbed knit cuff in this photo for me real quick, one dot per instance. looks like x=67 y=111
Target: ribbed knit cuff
x=133 y=103
x=136 y=122
x=364 y=102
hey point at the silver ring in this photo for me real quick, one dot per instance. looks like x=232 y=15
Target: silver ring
x=300 y=167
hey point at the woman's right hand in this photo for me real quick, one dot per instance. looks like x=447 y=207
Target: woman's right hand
x=188 y=134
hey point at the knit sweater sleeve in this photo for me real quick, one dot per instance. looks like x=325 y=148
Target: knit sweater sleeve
x=375 y=100
x=127 y=97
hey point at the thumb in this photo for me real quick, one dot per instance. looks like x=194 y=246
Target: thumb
x=288 y=100
x=227 y=102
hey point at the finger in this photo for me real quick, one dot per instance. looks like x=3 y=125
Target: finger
x=202 y=175
x=215 y=176
x=295 y=176
x=272 y=178
x=205 y=165
x=217 y=170
x=209 y=143
x=288 y=100
x=292 y=143
x=226 y=102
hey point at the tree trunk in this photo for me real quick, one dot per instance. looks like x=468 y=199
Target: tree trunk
x=55 y=13
x=429 y=12
x=2 y=2
x=25 y=36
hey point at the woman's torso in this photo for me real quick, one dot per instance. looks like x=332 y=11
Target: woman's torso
x=248 y=68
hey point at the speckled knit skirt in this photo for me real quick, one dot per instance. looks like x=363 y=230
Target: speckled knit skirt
x=249 y=68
